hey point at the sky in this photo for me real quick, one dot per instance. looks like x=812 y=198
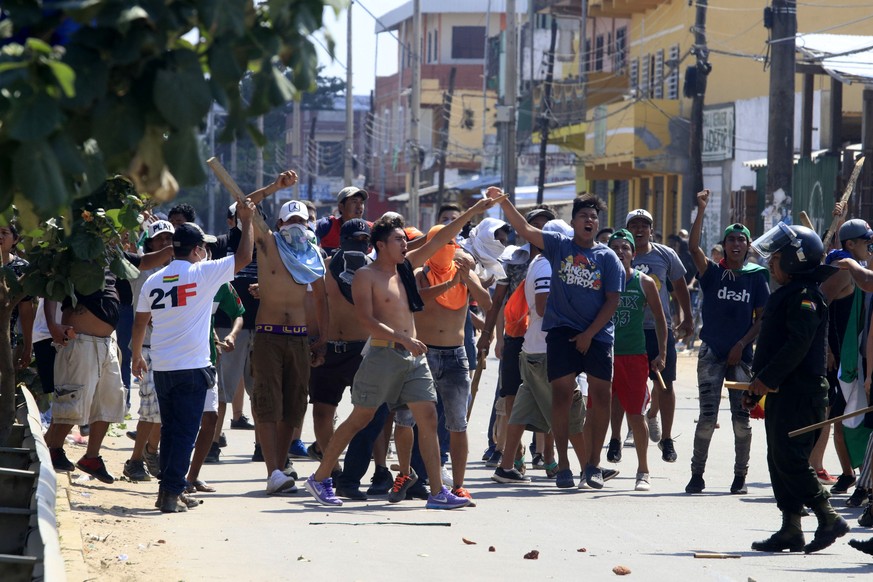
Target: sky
x=364 y=47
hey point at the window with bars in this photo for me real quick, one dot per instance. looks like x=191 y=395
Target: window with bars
x=587 y=57
x=658 y=75
x=634 y=75
x=598 y=53
x=468 y=42
x=619 y=57
x=645 y=83
x=673 y=73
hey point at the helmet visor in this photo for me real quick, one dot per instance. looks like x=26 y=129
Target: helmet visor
x=774 y=240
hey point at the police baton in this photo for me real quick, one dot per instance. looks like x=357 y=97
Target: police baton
x=824 y=423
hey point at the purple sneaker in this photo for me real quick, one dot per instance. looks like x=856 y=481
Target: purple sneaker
x=322 y=491
x=446 y=500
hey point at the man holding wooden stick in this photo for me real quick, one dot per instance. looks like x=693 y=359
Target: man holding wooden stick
x=790 y=358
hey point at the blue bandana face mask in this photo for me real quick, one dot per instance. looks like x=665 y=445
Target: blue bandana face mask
x=298 y=236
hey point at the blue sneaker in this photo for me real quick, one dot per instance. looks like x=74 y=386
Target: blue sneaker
x=322 y=491
x=446 y=500
x=298 y=450
x=593 y=477
x=564 y=479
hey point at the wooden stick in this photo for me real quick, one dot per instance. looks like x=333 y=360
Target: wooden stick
x=425 y=524
x=805 y=221
x=850 y=186
x=474 y=387
x=660 y=379
x=818 y=425
x=234 y=189
x=731 y=385
x=715 y=555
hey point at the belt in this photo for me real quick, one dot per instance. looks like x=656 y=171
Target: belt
x=299 y=330
x=377 y=343
x=341 y=347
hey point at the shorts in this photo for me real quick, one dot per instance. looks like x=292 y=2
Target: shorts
x=533 y=403
x=328 y=381
x=88 y=384
x=836 y=400
x=235 y=365
x=669 y=371
x=281 y=373
x=451 y=378
x=510 y=374
x=630 y=382
x=565 y=360
x=149 y=411
x=392 y=376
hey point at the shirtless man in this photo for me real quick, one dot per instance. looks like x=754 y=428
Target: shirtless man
x=394 y=369
x=446 y=287
x=281 y=353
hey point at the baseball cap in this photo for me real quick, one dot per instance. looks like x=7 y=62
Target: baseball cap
x=623 y=234
x=158 y=227
x=354 y=227
x=740 y=228
x=855 y=228
x=189 y=234
x=639 y=213
x=293 y=208
x=350 y=191
x=539 y=212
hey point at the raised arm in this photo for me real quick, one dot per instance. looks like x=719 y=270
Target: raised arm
x=243 y=255
x=447 y=234
x=697 y=253
x=285 y=180
x=532 y=235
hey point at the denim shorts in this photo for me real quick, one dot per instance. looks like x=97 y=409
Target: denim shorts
x=451 y=378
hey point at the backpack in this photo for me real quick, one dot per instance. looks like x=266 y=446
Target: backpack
x=516 y=314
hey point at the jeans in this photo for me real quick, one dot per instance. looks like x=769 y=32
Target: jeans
x=123 y=334
x=360 y=450
x=181 y=395
x=711 y=374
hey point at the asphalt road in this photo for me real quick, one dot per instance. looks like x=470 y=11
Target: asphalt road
x=241 y=534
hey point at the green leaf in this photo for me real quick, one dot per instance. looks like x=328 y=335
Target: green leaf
x=65 y=76
x=181 y=93
x=37 y=173
x=12 y=65
x=182 y=154
x=113 y=216
x=87 y=246
x=68 y=155
x=38 y=45
x=92 y=75
x=123 y=268
x=87 y=277
x=35 y=284
x=33 y=118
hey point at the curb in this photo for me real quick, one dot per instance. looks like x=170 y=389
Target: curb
x=70 y=535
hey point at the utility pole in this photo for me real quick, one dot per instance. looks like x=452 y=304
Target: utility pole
x=510 y=101
x=350 y=114
x=211 y=184
x=296 y=142
x=780 y=136
x=368 y=144
x=415 y=113
x=545 y=116
x=485 y=88
x=702 y=69
x=444 y=140
x=312 y=150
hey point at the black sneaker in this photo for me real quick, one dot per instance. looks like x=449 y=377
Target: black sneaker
x=313 y=453
x=494 y=460
x=866 y=519
x=96 y=468
x=488 y=452
x=738 y=487
x=859 y=496
x=843 y=483
x=418 y=491
x=170 y=503
x=289 y=470
x=60 y=462
x=222 y=440
x=131 y=434
x=382 y=481
x=352 y=493
x=513 y=475
x=609 y=474
x=696 y=484
x=136 y=471
x=613 y=451
x=242 y=423
x=152 y=461
x=257 y=456
x=668 y=453
x=214 y=454
x=84 y=430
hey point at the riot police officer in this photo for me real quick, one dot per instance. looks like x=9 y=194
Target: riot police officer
x=789 y=366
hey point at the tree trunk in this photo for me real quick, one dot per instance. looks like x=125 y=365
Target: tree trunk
x=8 y=380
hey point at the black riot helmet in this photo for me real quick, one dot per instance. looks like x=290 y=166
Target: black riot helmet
x=801 y=248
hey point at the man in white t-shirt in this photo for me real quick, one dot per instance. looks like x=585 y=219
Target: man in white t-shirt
x=178 y=301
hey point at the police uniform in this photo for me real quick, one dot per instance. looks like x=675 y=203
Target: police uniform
x=791 y=357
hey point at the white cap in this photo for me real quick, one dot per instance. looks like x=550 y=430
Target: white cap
x=639 y=213
x=293 y=208
x=159 y=227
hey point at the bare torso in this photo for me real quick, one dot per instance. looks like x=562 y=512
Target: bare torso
x=345 y=325
x=83 y=321
x=438 y=325
x=282 y=298
x=390 y=305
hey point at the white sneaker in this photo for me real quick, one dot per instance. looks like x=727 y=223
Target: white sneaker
x=446 y=478
x=654 y=428
x=279 y=482
x=642 y=482
x=629 y=439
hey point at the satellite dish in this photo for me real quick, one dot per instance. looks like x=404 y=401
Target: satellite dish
x=429 y=160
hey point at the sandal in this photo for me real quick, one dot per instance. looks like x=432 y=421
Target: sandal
x=200 y=486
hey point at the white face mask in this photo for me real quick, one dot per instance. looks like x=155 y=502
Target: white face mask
x=298 y=236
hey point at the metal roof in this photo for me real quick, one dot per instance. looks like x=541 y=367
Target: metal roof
x=847 y=58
